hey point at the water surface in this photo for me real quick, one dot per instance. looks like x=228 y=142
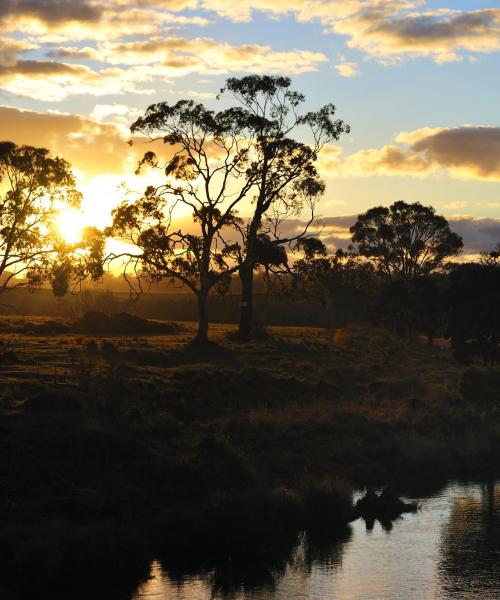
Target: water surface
x=450 y=549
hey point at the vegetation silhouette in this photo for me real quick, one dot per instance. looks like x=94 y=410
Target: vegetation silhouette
x=286 y=178
x=321 y=278
x=37 y=188
x=218 y=160
x=472 y=301
x=405 y=241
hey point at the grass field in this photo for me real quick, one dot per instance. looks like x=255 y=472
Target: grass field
x=116 y=448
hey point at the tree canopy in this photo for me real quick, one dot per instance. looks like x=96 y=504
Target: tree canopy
x=286 y=144
x=34 y=187
x=405 y=241
x=214 y=161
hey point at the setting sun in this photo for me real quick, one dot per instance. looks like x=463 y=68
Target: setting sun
x=70 y=225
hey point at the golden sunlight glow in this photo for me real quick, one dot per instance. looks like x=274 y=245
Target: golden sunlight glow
x=70 y=225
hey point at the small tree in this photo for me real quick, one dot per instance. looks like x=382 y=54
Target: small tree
x=75 y=263
x=405 y=241
x=282 y=169
x=35 y=187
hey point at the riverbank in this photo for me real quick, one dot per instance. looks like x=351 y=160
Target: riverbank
x=118 y=449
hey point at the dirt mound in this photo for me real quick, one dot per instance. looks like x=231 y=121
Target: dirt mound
x=95 y=322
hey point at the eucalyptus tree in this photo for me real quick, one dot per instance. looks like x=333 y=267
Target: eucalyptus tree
x=204 y=177
x=281 y=167
x=34 y=188
x=218 y=164
x=405 y=241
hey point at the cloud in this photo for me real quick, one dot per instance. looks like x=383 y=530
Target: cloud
x=10 y=49
x=347 y=69
x=51 y=12
x=478 y=233
x=464 y=152
x=54 y=81
x=119 y=114
x=387 y=32
x=386 y=29
x=91 y=147
x=69 y=52
x=78 y=20
x=304 y=10
x=95 y=145
x=469 y=152
x=179 y=56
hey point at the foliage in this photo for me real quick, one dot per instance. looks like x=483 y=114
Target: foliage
x=75 y=263
x=474 y=319
x=207 y=174
x=283 y=169
x=492 y=257
x=36 y=186
x=405 y=241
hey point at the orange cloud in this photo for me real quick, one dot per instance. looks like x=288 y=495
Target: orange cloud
x=180 y=56
x=91 y=147
x=464 y=152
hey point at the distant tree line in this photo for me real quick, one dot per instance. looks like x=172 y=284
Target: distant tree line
x=401 y=256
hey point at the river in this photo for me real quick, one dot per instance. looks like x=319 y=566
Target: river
x=449 y=549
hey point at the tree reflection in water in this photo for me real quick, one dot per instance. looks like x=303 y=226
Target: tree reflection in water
x=244 y=575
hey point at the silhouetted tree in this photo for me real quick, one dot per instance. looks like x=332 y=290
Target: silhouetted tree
x=473 y=301
x=79 y=262
x=492 y=257
x=34 y=187
x=219 y=159
x=207 y=174
x=281 y=168
x=405 y=241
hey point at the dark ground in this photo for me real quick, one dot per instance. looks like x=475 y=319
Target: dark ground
x=118 y=448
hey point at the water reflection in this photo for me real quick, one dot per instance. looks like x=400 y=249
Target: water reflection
x=470 y=552
x=449 y=549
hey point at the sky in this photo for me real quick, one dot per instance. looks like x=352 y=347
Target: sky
x=417 y=80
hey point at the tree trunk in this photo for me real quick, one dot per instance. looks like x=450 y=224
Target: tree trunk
x=246 y=304
x=202 y=333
